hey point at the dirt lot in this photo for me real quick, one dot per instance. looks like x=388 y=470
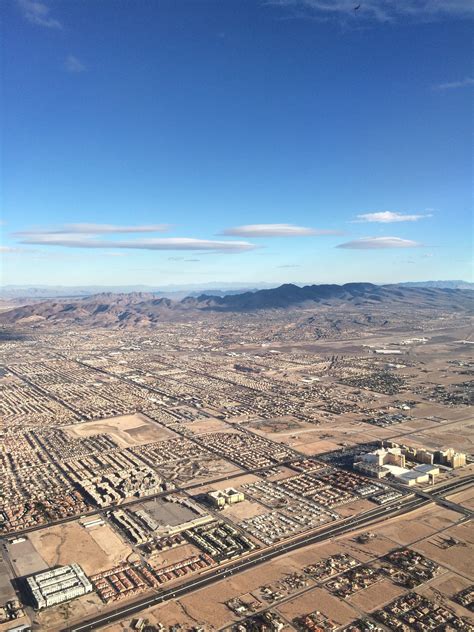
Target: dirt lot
x=417 y=525
x=55 y=619
x=466 y=498
x=172 y=556
x=456 y=558
x=244 y=510
x=458 y=435
x=126 y=430
x=319 y=599
x=95 y=549
x=375 y=596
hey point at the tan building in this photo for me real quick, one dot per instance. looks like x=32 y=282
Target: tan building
x=384 y=456
x=229 y=496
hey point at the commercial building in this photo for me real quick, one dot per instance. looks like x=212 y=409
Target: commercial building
x=224 y=497
x=384 y=456
x=58 y=585
x=383 y=462
x=448 y=457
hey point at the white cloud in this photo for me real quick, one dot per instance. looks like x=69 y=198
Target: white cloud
x=454 y=85
x=6 y=250
x=290 y=265
x=73 y=64
x=169 y=243
x=376 y=243
x=94 y=229
x=380 y=10
x=182 y=259
x=388 y=217
x=275 y=230
x=38 y=13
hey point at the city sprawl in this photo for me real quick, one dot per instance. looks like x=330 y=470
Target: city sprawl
x=241 y=472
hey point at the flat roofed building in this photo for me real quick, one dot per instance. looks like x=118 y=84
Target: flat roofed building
x=384 y=456
x=228 y=496
x=58 y=585
x=425 y=468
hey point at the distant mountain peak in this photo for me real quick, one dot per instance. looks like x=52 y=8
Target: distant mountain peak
x=145 y=309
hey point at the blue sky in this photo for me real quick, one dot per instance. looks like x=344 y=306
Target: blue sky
x=189 y=141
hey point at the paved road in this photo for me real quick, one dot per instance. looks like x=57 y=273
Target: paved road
x=350 y=524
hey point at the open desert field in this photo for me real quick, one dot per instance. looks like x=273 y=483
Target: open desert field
x=456 y=558
x=204 y=426
x=375 y=596
x=318 y=599
x=125 y=430
x=53 y=619
x=458 y=435
x=95 y=549
x=418 y=525
x=172 y=556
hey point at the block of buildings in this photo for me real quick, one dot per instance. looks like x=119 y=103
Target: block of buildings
x=58 y=585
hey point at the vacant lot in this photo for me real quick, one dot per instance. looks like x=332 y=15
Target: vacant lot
x=95 y=549
x=126 y=430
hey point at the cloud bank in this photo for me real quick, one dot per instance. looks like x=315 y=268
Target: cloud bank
x=169 y=243
x=275 y=230
x=388 y=217
x=94 y=229
x=376 y=243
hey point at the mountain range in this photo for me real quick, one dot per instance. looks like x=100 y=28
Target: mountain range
x=175 y=292
x=145 y=309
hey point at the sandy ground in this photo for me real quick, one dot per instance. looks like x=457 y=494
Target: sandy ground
x=456 y=558
x=318 y=599
x=126 y=430
x=169 y=614
x=94 y=549
x=418 y=530
x=7 y=591
x=375 y=596
x=54 y=619
x=354 y=508
x=327 y=437
x=465 y=498
x=458 y=435
x=165 y=558
x=283 y=472
x=244 y=510
x=417 y=525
